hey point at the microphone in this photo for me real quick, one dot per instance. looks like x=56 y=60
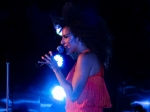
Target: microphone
x=59 y=49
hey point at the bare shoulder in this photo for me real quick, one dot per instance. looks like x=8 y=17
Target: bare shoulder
x=88 y=56
x=90 y=61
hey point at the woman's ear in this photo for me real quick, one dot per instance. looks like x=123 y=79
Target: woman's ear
x=79 y=40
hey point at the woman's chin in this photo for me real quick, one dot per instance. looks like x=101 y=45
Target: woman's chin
x=67 y=53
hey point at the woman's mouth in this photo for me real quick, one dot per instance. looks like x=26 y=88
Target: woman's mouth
x=67 y=50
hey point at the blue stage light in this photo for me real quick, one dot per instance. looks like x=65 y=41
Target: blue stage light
x=58 y=30
x=58 y=93
x=59 y=60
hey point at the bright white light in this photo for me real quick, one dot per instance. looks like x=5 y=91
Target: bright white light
x=58 y=93
x=58 y=30
x=59 y=60
x=46 y=105
x=141 y=102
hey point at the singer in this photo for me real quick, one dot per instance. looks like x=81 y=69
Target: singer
x=86 y=38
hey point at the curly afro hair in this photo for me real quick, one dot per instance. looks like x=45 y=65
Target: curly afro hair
x=89 y=27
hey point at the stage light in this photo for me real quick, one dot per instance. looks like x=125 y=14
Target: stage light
x=144 y=103
x=58 y=30
x=58 y=93
x=59 y=60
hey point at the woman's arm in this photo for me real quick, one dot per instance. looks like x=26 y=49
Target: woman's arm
x=82 y=71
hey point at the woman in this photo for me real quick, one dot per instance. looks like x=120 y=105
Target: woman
x=90 y=40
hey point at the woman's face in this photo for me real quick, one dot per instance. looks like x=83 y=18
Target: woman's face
x=69 y=41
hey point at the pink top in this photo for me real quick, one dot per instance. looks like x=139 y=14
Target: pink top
x=94 y=96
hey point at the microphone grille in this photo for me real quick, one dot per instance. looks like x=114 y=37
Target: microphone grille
x=60 y=49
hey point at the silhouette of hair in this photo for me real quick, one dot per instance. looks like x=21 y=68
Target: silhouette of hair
x=86 y=24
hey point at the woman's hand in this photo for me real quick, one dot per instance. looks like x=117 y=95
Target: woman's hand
x=50 y=61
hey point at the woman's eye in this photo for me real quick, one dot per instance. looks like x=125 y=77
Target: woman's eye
x=65 y=36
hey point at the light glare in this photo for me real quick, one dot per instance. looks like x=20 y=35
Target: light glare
x=58 y=30
x=59 y=60
x=142 y=102
x=58 y=93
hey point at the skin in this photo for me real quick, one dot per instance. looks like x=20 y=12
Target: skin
x=87 y=65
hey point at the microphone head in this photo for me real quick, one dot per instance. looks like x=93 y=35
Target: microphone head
x=60 y=49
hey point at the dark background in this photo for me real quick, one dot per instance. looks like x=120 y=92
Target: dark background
x=26 y=33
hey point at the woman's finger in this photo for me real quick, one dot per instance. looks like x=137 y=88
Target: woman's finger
x=51 y=54
x=47 y=57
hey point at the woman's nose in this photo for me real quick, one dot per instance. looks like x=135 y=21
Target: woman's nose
x=62 y=42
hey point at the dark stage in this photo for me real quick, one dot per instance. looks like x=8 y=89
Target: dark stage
x=26 y=33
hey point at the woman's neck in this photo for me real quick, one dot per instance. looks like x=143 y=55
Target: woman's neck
x=84 y=50
x=87 y=50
